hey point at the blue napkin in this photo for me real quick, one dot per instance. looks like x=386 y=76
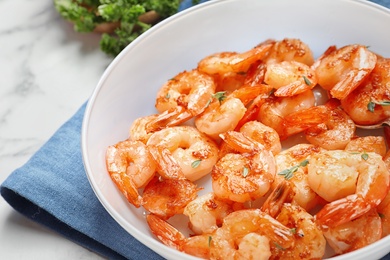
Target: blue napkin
x=72 y=208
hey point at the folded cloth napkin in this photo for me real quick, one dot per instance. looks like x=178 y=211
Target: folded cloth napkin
x=52 y=189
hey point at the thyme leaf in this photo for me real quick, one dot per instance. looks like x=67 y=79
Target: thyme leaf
x=220 y=96
x=307 y=81
x=245 y=172
x=289 y=173
x=196 y=163
x=371 y=105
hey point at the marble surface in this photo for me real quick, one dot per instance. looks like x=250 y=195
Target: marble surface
x=47 y=72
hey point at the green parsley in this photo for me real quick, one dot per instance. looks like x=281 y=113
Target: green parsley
x=307 y=81
x=279 y=246
x=289 y=173
x=371 y=105
x=365 y=156
x=120 y=21
x=210 y=238
x=220 y=96
x=196 y=163
x=245 y=172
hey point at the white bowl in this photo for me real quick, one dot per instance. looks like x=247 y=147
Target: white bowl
x=128 y=87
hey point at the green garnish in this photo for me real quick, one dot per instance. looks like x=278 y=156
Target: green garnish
x=196 y=163
x=365 y=156
x=289 y=173
x=220 y=96
x=167 y=96
x=279 y=246
x=307 y=81
x=210 y=238
x=126 y=19
x=245 y=172
x=371 y=105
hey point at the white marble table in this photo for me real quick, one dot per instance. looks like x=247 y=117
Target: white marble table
x=47 y=72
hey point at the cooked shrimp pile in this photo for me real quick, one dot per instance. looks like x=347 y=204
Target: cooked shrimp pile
x=290 y=175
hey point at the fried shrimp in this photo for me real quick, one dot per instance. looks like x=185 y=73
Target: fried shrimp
x=192 y=151
x=291 y=115
x=376 y=144
x=198 y=245
x=249 y=234
x=353 y=183
x=187 y=94
x=342 y=70
x=225 y=113
x=309 y=241
x=263 y=134
x=138 y=130
x=335 y=132
x=225 y=62
x=355 y=234
x=130 y=166
x=292 y=168
x=289 y=49
x=243 y=176
x=369 y=103
x=168 y=197
x=206 y=213
x=290 y=78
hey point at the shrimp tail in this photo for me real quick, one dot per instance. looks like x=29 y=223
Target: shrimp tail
x=166 y=164
x=127 y=187
x=248 y=93
x=165 y=232
x=283 y=193
x=342 y=211
x=170 y=117
x=239 y=141
x=292 y=89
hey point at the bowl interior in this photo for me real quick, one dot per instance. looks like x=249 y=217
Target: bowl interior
x=128 y=87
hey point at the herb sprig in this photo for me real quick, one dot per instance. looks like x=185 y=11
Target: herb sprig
x=289 y=173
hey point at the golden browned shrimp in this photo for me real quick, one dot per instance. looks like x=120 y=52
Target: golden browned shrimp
x=206 y=213
x=291 y=115
x=130 y=166
x=198 y=245
x=353 y=183
x=376 y=144
x=356 y=233
x=289 y=49
x=243 y=176
x=290 y=78
x=263 y=134
x=309 y=240
x=226 y=113
x=249 y=234
x=291 y=165
x=138 y=130
x=225 y=62
x=369 y=103
x=192 y=151
x=384 y=207
x=342 y=70
x=168 y=197
x=335 y=132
